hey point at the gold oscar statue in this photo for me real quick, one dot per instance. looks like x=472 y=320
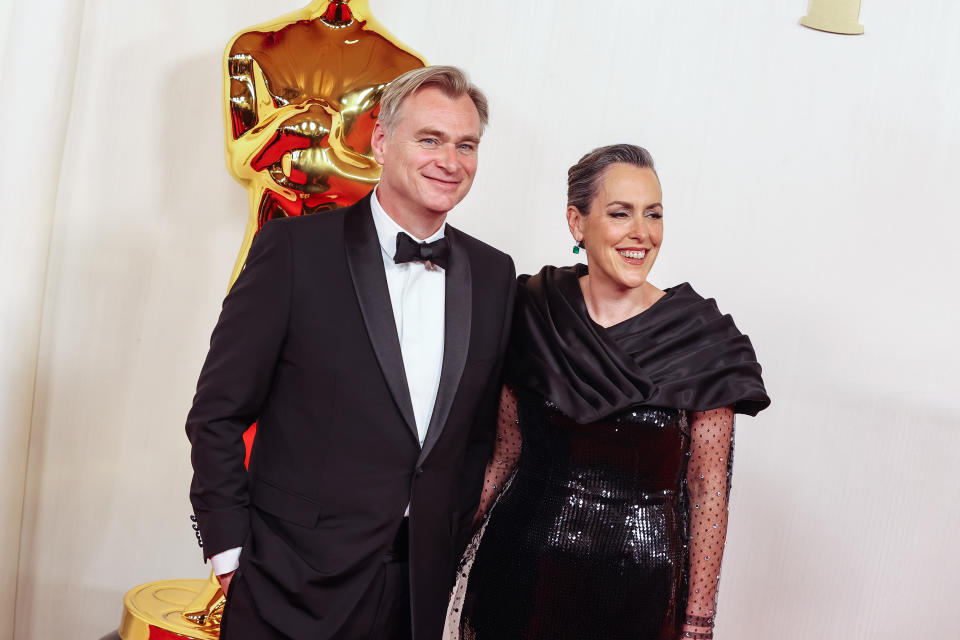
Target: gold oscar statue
x=301 y=95
x=835 y=16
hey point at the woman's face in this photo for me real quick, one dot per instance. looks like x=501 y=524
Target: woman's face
x=624 y=228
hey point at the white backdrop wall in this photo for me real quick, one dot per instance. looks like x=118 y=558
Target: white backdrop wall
x=34 y=104
x=808 y=183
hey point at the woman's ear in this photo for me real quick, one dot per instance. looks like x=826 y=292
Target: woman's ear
x=575 y=223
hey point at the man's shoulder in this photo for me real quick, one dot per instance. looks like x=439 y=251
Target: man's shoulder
x=320 y=221
x=319 y=226
x=478 y=249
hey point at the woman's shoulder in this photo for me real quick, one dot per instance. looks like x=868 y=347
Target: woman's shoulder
x=683 y=291
x=684 y=297
x=552 y=274
x=549 y=273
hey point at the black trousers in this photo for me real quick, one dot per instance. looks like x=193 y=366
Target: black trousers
x=383 y=612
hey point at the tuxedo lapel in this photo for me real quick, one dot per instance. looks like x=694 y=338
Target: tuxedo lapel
x=456 y=337
x=365 y=261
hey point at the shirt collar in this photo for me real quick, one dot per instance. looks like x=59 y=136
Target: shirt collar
x=387 y=228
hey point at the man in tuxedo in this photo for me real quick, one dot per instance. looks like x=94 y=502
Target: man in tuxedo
x=367 y=344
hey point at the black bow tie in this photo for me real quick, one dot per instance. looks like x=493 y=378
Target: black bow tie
x=409 y=250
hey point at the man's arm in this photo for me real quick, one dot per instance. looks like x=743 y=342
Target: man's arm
x=232 y=388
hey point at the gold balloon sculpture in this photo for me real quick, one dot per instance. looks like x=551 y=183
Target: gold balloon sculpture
x=301 y=95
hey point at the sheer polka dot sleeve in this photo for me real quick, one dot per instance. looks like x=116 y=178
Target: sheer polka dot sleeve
x=708 y=487
x=506 y=452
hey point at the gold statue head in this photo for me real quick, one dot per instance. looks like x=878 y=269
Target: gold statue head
x=302 y=94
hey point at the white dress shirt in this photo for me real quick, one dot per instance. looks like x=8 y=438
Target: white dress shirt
x=418 y=296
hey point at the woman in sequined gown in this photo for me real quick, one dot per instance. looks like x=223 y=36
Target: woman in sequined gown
x=604 y=508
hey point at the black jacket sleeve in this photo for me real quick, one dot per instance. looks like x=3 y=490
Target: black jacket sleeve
x=233 y=384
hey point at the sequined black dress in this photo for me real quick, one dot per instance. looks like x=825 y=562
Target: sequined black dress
x=594 y=536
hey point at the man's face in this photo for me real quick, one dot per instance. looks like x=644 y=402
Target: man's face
x=429 y=155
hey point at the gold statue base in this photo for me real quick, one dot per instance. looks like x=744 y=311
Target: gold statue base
x=163 y=610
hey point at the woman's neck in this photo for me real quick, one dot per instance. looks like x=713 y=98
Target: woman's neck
x=609 y=304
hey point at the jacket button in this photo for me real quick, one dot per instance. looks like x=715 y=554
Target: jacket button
x=419 y=471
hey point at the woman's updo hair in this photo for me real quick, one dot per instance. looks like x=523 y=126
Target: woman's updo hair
x=584 y=177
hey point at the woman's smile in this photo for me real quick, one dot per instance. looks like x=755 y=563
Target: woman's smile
x=633 y=256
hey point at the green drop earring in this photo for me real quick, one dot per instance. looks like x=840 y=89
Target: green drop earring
x=579 y=247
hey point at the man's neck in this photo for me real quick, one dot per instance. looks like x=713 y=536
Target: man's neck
x=419 y=224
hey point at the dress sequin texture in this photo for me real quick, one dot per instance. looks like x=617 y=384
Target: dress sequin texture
x=596 y=511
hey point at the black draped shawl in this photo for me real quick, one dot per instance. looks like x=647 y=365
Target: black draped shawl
x=680 y=353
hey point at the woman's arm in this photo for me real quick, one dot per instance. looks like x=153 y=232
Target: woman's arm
x=708 y=485
x=506 y=452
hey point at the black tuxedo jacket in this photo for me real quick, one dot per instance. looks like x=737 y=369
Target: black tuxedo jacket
x=306 y=345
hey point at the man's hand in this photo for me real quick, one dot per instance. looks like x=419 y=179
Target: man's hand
x=225 y=581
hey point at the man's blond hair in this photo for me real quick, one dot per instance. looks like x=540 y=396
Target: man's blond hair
x=450 y=80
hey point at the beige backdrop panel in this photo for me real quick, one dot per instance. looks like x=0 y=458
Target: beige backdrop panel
x=807 y=184
x=34 y=112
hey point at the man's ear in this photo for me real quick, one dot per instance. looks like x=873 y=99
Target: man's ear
x=575 y=223
x=378 y=142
